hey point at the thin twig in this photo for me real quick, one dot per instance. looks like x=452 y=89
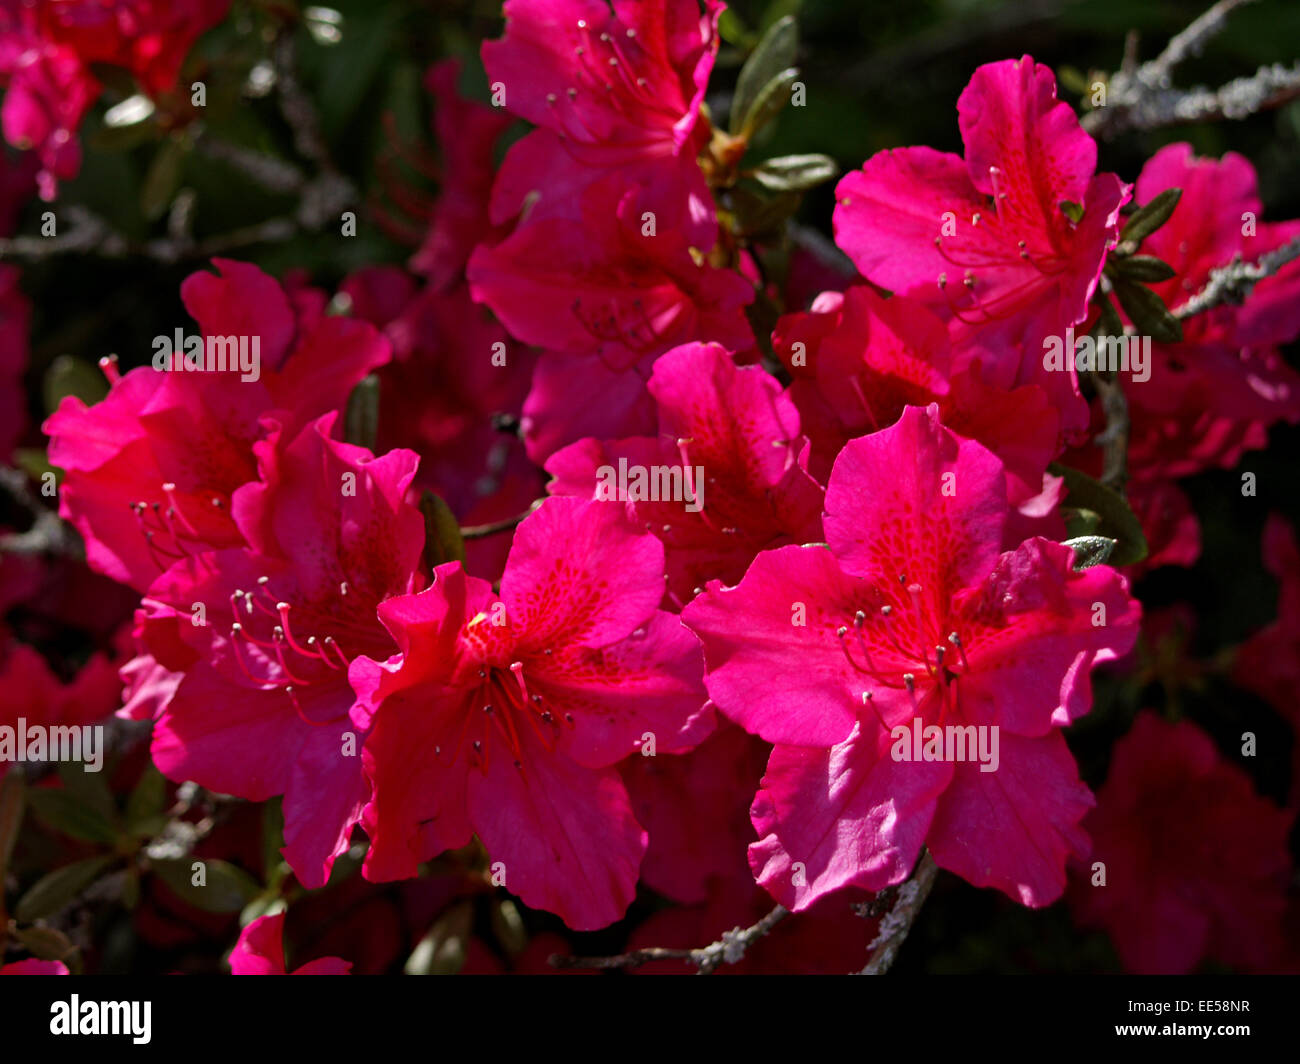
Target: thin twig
x=493 y=527
x=1143 y=97
x=1192 y=40
x=896 y=924
x=1233 y=283
x=47 y=534
x=1114 y=438
x=729 y=949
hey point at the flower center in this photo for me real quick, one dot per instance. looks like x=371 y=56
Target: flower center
x=896 y=646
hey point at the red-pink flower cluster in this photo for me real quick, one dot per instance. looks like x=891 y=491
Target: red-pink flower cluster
x=845 y=562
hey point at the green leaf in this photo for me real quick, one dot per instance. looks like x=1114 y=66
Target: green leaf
x=162 y=180
x=350 y=73
x=1148 y=313
x=1072 y=210
x=144 y=807
x=508 y=927
x=12 y=803
x=755 y=215
x=1118 y=522
x=795 y=173
x=778 y=9
x=45 y=943
x=91 y=789
x=1108 y=322
x=1071 y=79
x=226 y=888
x=65 y=812
x=1090 y=550
x=774 y=54
x=1148 y=218
x=1081 y=522
x=732 y=29
x=52 y=892
x=1145 y=268
x=361 y=419
x=72 y=376
x=272 y=836
x=442 y=951
x=442 y=538
x=34 y=461
x=769 y=103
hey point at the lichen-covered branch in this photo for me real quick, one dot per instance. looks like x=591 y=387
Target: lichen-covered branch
x=1143 y=97
x=897 y=923
x=729 y=949
x=1233 y=283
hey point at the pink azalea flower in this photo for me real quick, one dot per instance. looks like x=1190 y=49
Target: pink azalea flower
x=46 y=53
x=605 y=296
x=913 y=613
x=268 y=709
x=48 y=90
x=1196 y=862
x=36 y=694
x=616 y=91
x=618 y=82
x=733 y=429
x=151 y=470
x=467 y=133
x=861 y=359
x=1213 y=396
x=987 y=240
x=260 y=951
x=150 y=38
x=695 y=807
x=504 y=715
x=454 y=374
x=1268 y=663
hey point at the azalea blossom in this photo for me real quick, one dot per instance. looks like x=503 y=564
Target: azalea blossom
x=858 y=360
x=734 y=440
x=266 y=707
x=46 y=55
x=1193 y=862
x=151 y=471
x=913 y=613
x=503 y=715
x=1007 y=243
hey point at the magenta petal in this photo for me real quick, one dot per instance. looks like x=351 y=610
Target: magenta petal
x=841 y=817
x=326 y=794
x=580 y=574
x=33 y=966
x=1012 y=122
x=260 y=949
x=576 y=396
x=564 y=836
x=1013 y=828
x=326 y=966
x=649 y=682
x=233 y=740
x=1035 y=628
x=786 y=681
x=241 y=300
x=888 y=214
x=916 y=495
x=417 y=807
